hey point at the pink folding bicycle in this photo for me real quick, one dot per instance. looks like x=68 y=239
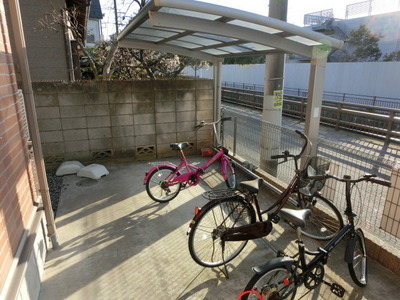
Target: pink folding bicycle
x=164 y=181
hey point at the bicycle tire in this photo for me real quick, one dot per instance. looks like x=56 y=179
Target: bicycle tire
x=205 y=245
x=358 y=268
x=231 y=176
x=325 y=220
x=270 y=284
x=154 y=187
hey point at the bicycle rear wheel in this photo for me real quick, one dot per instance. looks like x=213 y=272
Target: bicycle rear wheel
x=325 y=220
x=272 y=284
x=205 y=245
x=358 y=266
x=156 y=185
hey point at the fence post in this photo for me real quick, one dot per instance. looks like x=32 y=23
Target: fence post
x=344 y=97
x=390 y=221
x=234 y=134
x=389 y=127
x=339 y=115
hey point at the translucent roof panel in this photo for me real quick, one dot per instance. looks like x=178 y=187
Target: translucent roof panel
x=209 y=31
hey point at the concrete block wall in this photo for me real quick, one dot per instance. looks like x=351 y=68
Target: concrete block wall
x=117 y=119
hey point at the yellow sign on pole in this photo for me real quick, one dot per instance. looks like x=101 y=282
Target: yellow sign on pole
x=278 y=98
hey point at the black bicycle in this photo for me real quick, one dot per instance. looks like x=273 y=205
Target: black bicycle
x=280 y=277
x=220 y=230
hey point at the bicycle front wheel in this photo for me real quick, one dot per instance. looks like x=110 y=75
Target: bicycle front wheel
x=230 y=175
x=272 y=284
x=358 y=266
x=157 y=187
x=325 y=220
x=205 y=244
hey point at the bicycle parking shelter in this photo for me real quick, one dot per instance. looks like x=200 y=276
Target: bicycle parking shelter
x=213 y=32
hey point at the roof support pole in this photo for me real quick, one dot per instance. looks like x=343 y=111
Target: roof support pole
x=315 y=93
x=217 y=74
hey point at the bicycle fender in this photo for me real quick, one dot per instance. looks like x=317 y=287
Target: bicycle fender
x=284 y=261
x=147 y=174
x=200 y=212
x=351 y=243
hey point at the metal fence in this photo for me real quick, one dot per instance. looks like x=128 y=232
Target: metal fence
x=245 y=135
x=258 y=89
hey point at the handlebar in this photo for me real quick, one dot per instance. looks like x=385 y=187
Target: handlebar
x=286 y=154
x=203 y=123
x=347 y=178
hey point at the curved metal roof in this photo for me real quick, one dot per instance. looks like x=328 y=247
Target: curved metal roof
x=208 y=31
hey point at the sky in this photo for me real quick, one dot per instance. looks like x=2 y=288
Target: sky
x=296 y=9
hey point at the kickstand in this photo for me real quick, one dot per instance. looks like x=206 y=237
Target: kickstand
x=224 y=271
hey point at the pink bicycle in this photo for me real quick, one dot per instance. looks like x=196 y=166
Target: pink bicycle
x=164 y=181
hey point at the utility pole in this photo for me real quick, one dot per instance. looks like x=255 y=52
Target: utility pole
x=273 y=95
x=116 y=17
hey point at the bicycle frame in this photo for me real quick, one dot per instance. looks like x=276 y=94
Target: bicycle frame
x=192 y=174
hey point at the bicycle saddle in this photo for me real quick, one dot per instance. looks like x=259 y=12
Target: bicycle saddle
x=252 y=186
x=296 y=217
x=179 y=146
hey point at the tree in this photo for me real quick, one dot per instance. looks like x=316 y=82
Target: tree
x=392 y=56
x=364 y=45
x=245 y=60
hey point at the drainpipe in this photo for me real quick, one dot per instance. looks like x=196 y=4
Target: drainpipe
x=32 y=118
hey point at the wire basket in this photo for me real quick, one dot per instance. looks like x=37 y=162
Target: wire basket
x=316 y=165
x=220 y=194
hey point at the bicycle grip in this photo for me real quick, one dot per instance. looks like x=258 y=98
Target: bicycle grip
x=277 y=156
x=381 y=182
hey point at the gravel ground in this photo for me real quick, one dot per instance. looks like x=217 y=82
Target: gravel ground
x=55 y=185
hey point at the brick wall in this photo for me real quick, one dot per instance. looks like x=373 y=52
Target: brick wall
x=112 y=119
x=16 y=195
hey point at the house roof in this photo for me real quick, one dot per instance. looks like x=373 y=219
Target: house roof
x=95 y=10
x=209 y=31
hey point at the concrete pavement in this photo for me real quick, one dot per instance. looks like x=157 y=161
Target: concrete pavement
x=116 y=243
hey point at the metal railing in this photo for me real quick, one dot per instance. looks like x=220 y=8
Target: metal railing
x=257 y=89
x=244 y=137
x=380 y=122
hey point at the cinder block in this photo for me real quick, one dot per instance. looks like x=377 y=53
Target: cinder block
x=140 y=97
x=97 y=110
x=102 y=121
x=95 y=98
x=143 y=108
x=71 y=99
x=120 y=86
x=204 y=105
x=166 y=128
x=145 y=129
x=121 y=109
x=73 y=123
x=75 y=135
x=122 y=131
x=124 y=143
x=165 y=117
x=187 y=105
x=99 y=133
x=143 y=140
x=72 y=111
x=206 y=115
x=202 y=95
x=100 y=144
x=46 y=100
x=185 y=84
x=142 y=85
x=51 y=136
x=144 y=119
x=185 y=95
x=166 y=138
x=186 y=127
x=76 y=146
x=165 y=85
x=47 y=112
x=186 y=136
x=204 y=84
x=186 y=116
x=165 y=95
x=124 y=120
x=120 y=97
x=164 y=107
x=53 y=148
x=49 y=124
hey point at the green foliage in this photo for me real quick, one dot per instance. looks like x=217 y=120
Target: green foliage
x=365 y=45
x=392 y=56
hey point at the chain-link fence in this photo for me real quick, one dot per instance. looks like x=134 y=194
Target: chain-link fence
x=254 y=141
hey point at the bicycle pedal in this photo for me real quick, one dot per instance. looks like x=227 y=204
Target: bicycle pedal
x=337 y=289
